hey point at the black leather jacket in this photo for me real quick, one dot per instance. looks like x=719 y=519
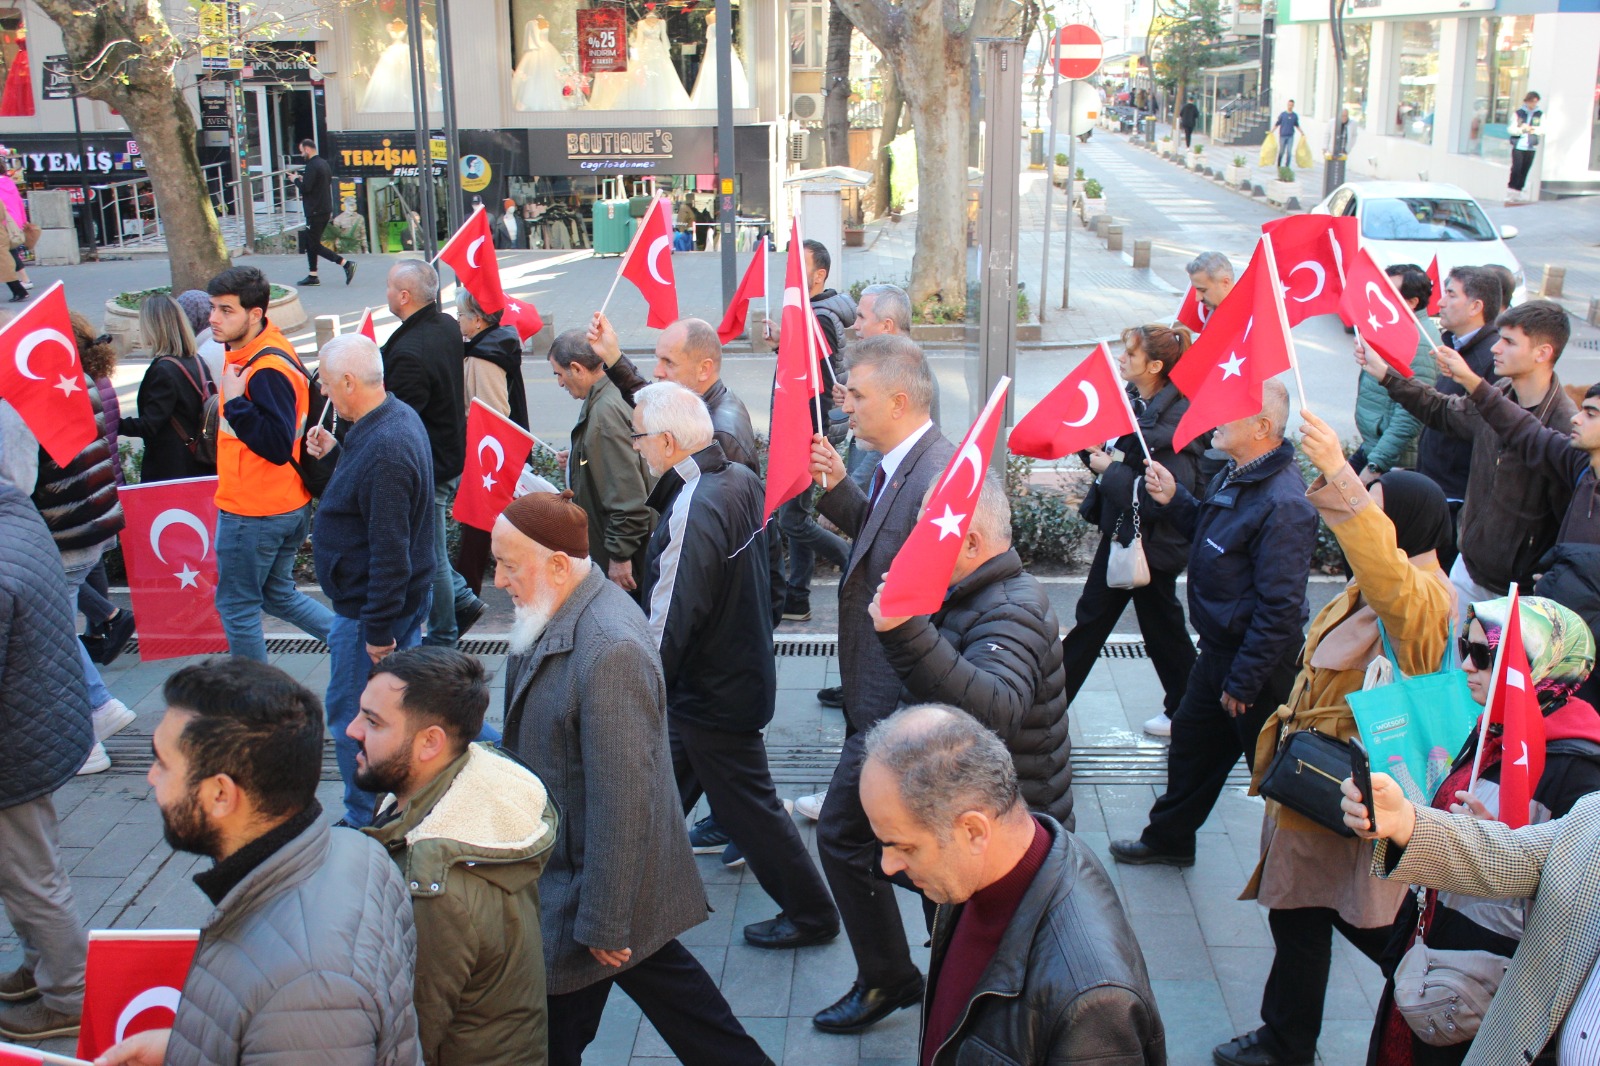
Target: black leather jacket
x=1068 y=982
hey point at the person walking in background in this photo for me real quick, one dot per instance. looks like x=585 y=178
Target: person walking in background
x=109 y=627
x=1387 y=430
x=1523 y=129
x=1117 y=505
x=1187 y=117
x=1286 y=125
x=1341 y=139
x=492 y=374
x=172 y=397
x=316 y=198
x=196 y=304
x=17 y=216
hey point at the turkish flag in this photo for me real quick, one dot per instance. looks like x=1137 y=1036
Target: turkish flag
x=752 y=285
x=1438 y=287
x=366 y=328
x=496 y=449
x=12 y=1055
x=132 y=982
x=796 y=383
x=41 y=377
x=1311 y=253
x=521 y=316
x=470 y=253
x=920 y=574
x=1381 y=318
x=1087 y=408
x=1193 y=312
x=1246 y=342
x=1516 y=707
x=648 y=265
x=169 y=547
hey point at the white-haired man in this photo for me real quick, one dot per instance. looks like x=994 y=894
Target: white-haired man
x=706 y=591
x=374 y=549
x=585 y=710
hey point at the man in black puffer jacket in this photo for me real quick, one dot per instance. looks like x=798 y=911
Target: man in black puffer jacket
x=994 y=650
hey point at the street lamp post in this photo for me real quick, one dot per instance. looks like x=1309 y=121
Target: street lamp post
x=427 y=238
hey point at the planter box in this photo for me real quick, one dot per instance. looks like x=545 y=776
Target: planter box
x=1091 y=208
x=854 y=236
x=1281 y=192
x=123 y=324
x=951 y=332
x=1196 y=160
x=1029 y=332
x=1236 y=175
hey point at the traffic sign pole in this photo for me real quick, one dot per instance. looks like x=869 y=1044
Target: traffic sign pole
x=1079 y=51
x=1050 y=184
x=1072 y=172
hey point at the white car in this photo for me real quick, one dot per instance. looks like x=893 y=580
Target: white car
x=1413 y=221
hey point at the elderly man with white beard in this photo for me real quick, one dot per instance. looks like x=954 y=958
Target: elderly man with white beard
x=586 y=711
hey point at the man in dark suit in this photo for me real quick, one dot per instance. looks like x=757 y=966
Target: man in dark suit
x=422 y=367
x=887 y=397
x=316 y=198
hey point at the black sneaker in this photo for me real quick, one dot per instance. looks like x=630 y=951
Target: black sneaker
x=309 y=279
x=466 y=619
x=117 y=634
x=797 y=609
x=349 y=271
x=831 y=697
x=708 y=838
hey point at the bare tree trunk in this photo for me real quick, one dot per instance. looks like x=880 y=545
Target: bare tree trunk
x=940 y=114
x=879 y=195
x=836 y=86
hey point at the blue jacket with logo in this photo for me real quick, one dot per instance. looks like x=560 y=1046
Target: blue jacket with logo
x=1250 y=543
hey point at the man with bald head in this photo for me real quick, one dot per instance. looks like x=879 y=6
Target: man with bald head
x=1250 y=542
x=586 y=706
x=422 y=367
x=374 y=545
x=945 y=802
x=689 y=353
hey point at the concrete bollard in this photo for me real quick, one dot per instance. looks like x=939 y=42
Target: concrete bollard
x=1141 y=253
x=1594 y=311
x=757 y=333
x=1114 y=238
x=327 y=329
x=1101 y=223
x=1554 y=278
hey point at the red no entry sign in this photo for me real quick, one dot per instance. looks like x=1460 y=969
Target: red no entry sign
x=1078 y=51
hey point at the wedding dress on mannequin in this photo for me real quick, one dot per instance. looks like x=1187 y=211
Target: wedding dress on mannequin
x=537 y=84
x=651 y=82
x=705 y=83
x=389 y=88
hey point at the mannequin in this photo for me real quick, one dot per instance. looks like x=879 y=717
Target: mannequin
x=651 y=82
x=389 y=88
x=705 y=83
x=537 y=84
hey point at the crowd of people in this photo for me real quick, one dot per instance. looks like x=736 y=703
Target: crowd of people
x=481 y=893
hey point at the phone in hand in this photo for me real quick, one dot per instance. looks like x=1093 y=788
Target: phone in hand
x=1361 y=777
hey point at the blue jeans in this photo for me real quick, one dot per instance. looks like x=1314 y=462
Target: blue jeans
x=99 y=695
x=806 y=540
x=349 y=667
x=255 y=573
x=450 y=591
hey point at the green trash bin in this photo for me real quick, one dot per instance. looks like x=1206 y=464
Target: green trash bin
x=613 y=227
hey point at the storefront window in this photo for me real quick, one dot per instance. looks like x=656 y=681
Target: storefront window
x=381 y=56
x=633 y=56
x=16 y=100
x=1357 y=69
x=808 y=27
x=1419 y=80
x=1308 y=91
x=1500 y=81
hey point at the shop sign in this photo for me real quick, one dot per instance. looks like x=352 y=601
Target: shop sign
x=57 y=79
x=476 y=173
x=623 y=150
x=279 y=64
x=1317 y=10
x=380 y=155
x=41 y=160
x=219 y=28
x=213 y=112
x=602 y=40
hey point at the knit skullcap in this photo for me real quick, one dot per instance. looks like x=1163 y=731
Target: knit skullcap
x=552 y=521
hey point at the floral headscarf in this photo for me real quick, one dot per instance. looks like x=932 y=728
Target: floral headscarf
x=1559 y=644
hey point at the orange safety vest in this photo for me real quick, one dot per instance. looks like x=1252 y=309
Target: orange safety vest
x=246 y=483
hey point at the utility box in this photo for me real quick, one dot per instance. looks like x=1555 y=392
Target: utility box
x=51 y=211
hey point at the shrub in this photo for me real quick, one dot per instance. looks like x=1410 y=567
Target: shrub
x=1240 y=161
x=934 y=311
x=1093 y=190
x=1079 y=175
x=1045 y=525
x=130 y=301
x=1022 y=306
x=1061 y=161
x=1286 y=174
x=1199 y=149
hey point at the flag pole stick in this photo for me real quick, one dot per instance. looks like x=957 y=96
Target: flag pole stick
x=1488 y=703
x=766 y=279
x=632 y=243
x=1133 y=418
x=44 y=1056
x=1283 y=319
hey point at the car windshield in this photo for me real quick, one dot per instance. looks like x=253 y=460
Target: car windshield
x=1425 y=218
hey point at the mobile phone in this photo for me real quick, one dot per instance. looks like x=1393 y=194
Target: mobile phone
x=1361 y=777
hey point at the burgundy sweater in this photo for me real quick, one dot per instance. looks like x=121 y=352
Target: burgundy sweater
x=979 y=927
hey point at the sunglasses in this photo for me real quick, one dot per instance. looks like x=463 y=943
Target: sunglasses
x=1478 y=652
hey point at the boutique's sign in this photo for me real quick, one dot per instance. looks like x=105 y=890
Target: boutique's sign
x=651 y=150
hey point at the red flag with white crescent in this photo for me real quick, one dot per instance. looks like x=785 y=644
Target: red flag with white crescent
x=796 y=382
x=522 y=316
x=1087 y=408
x=1516 y=707
x=648 y=265
x=496 y=450
x=1438 y=287
x=1379 y=314
x=470 y=253
x=41 y=377
x=170 y=548
x=1193 y=312
x=752 y=285
x=1313 y=252
x=920 y=574
x=133 y=980
x=366 y=328
x=14 y=1055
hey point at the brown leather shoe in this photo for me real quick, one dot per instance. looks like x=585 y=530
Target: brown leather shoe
x=18 y=985
x=35 y=1021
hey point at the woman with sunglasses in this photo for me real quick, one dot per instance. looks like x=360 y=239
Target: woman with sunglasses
x=1561 y=653
x=1149 y=354
x=1311 y=879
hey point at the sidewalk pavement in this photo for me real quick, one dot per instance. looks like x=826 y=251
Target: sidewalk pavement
x=1207 y=952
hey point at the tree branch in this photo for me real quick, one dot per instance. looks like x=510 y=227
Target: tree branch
x=879 y=20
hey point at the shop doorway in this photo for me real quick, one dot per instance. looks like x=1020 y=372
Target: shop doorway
x=279 y=116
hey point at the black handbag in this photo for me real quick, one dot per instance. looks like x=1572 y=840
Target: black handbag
x=1306 y=776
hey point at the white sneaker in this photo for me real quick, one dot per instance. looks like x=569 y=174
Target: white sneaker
x=1159 y=726
x=111 y=718
x=97 y=762
x=810 y=806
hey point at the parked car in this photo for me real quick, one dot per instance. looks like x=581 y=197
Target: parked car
x=1413 y=221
